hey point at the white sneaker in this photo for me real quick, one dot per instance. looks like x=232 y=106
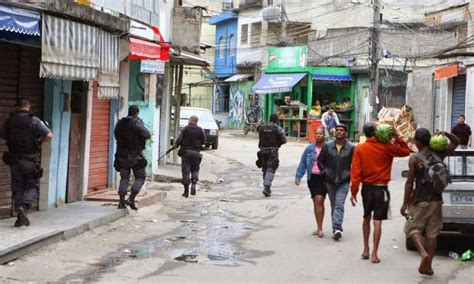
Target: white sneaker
x=337 y=235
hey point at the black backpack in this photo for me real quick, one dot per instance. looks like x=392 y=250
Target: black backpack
x=436 y=172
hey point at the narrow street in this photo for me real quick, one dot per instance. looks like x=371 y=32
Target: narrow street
x=230 y=233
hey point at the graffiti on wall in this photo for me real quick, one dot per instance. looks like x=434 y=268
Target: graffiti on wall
x=239 y=92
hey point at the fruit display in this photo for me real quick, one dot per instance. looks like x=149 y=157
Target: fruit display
x=385 y=132
x=439 y=143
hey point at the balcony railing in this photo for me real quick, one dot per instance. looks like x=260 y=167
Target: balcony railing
x=247 y=4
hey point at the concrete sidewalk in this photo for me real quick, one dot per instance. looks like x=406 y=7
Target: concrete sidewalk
x=52 y=226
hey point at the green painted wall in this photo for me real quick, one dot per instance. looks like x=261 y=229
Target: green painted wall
x=362 y=101
x=147 y=107
x=135 y=93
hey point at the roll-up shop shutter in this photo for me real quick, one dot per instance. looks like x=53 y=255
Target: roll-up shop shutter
x=99 y=149
x=459 y=98
x=18 y=78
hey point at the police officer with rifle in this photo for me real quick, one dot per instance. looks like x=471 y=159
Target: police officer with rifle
x=190 y=141
x=131 y=135
x=271 y=137
x=24 y=133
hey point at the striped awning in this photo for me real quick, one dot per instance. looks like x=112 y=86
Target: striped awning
x=109 y=76
x=69 y=50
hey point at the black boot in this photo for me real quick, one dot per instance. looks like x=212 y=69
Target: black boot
x=122 y=204
x=131 y=200
x=18 y=222
x=22 y=216
x=186 y=190
x=267 y=191
x=193 y=188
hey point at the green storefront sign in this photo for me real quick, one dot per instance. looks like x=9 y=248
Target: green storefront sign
x=287 y=57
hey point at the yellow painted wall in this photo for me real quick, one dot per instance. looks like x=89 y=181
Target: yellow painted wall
x=201 y=96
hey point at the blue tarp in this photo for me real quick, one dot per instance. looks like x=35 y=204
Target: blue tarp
x=20 y=21
x=277 y=83
x=330 y=77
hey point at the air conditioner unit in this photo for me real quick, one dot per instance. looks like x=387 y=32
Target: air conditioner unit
x=272 y=13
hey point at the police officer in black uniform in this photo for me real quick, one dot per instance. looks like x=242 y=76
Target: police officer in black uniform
x=23 y=133
x=131 y=135
x=271 y=137
x=190 y=141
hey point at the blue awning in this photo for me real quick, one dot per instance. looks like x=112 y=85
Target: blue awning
x=331 y=77
x=277 y=83
x=20 y=21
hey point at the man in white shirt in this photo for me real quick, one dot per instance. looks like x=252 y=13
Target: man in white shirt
x=329 y=121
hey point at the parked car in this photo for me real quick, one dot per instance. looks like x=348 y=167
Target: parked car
x=206 y=122
x=458 y=197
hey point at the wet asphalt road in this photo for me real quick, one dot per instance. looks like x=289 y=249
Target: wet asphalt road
x=230 y=233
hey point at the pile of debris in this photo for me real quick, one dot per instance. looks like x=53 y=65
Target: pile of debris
x=402 y=120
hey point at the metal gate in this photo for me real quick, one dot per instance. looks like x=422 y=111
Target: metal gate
x=459 y=98
x=99 y=149
x=18 y=78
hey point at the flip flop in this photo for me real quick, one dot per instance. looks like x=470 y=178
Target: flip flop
x=364 y=256
x=321 y=235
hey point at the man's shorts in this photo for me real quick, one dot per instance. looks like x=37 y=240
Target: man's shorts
x=317 y=186
x=425 y=216
x=376 y=199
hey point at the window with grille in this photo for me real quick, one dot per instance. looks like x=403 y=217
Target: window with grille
x=256 y=33
x=244 y=34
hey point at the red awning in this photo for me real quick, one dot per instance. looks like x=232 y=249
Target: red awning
x=147 y=50
x=443 y=72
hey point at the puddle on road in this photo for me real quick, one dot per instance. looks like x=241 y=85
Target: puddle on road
x=208 y=239
x=207 y=235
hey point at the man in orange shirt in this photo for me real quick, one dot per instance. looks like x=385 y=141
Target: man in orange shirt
x=372 y=166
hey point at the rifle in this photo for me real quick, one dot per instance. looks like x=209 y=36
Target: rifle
x=167 y=152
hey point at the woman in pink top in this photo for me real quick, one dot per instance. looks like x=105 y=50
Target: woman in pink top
x=309 y=166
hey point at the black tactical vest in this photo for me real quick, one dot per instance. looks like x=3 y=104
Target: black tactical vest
x=192 y=138
x=22 y=137
x=129 y=140
x=269 y=137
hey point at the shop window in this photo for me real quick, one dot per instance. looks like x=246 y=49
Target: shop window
x=232 y=46
x=256 y=33
x=244 y=34
x=221 y=48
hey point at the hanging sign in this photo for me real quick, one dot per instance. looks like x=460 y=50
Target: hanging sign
x=152 y=66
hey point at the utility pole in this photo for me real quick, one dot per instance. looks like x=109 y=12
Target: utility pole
x=284 y=23
x=375 y=57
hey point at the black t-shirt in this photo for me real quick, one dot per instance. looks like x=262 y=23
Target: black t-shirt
x=462 y=131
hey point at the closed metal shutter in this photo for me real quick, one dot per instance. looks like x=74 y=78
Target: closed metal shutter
x=18 y=78
x=459 y=98
x=99 y=149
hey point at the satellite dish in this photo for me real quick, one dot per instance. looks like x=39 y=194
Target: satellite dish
x=272 y=13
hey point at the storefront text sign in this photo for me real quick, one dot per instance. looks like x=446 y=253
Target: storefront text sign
x=287 y=57
x=152 y=66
